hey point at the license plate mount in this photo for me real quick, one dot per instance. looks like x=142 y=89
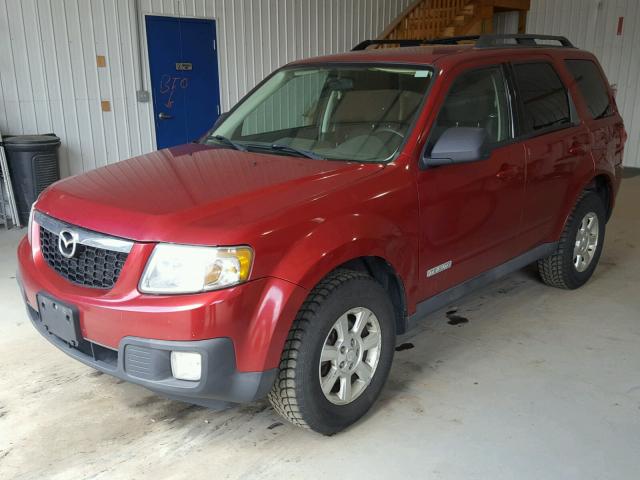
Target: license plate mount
x=60 y=319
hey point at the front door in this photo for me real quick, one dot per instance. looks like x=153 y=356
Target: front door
x=184 y=77
x=470 y=213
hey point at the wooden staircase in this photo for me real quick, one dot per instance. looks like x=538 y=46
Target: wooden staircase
x=427 y=19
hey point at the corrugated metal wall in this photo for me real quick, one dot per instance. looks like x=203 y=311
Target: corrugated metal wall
x=505 y=22
x=592 y=25
x=49 y=81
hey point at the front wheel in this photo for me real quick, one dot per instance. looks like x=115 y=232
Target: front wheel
x=337 y=355
x=580 y=245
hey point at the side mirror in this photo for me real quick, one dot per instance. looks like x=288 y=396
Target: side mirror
x=458 y=145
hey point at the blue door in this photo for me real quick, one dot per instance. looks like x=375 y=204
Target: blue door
x=184 y=77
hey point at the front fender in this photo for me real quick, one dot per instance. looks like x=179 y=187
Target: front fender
x=338 y=240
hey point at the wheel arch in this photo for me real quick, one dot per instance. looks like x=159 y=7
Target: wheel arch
x=371 y=243
x=603 y=186
x=384 y=273
x=599 y=182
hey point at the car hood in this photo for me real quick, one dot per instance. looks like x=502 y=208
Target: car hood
x=194 y=193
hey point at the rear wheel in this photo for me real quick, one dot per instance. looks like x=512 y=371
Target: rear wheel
x=580 y=245
x=337 y=355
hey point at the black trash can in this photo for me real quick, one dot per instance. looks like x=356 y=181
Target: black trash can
x=34 y=164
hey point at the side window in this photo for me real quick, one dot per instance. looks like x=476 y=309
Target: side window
x=544 y=96
x=478 y=98
x=591 y=86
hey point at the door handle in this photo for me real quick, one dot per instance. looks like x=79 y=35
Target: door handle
x=578 y=149
x=507 y=172
x=164 y=116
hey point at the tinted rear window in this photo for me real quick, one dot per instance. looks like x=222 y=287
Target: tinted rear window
x=591 y=86
x=544 y=96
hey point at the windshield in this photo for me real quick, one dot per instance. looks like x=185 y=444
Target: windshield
x=360 y=113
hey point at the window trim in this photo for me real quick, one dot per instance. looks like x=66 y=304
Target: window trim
x=604 y=81
x=502 y=66
x=573 y=114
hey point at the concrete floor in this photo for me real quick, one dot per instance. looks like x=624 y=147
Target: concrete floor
x=539 y=384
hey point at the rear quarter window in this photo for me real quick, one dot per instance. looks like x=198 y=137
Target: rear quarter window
x=592 y=86
x=544 y=97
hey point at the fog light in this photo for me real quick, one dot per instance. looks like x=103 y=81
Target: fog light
x=186 y=365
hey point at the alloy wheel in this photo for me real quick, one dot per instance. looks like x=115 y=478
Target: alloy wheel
x=586 y=242
x=350 y=355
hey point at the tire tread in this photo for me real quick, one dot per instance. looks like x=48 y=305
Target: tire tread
x=552 y=269
x=283 y=395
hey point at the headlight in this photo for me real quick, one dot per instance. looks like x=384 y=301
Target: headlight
x=192 y=269
x=30 y=225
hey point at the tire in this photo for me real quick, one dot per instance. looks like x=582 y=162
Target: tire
x=561 y=269
x=297 y=394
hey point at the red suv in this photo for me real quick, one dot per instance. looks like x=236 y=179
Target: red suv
x=342 y=198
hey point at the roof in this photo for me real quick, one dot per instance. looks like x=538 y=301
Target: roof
x=435 y=54
x=423 y=55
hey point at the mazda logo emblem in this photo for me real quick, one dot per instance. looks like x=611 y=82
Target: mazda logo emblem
x=67 y=242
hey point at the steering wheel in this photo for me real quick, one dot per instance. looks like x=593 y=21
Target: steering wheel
x=390 y=130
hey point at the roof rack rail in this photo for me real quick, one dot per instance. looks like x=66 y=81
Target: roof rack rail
x=528 y=40
x=403 y=43
x=481 y=41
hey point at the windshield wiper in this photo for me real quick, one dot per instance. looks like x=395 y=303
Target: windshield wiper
x=278 y=147
x=229 y=142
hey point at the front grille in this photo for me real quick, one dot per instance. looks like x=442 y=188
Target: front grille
x=90 y=266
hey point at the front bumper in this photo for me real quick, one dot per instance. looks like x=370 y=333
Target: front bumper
x=240 y=331
x=255 y=316
x=147 y=362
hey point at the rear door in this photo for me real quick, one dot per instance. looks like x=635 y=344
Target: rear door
x=557 y=146
x=600 y=116
x=470 y=212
